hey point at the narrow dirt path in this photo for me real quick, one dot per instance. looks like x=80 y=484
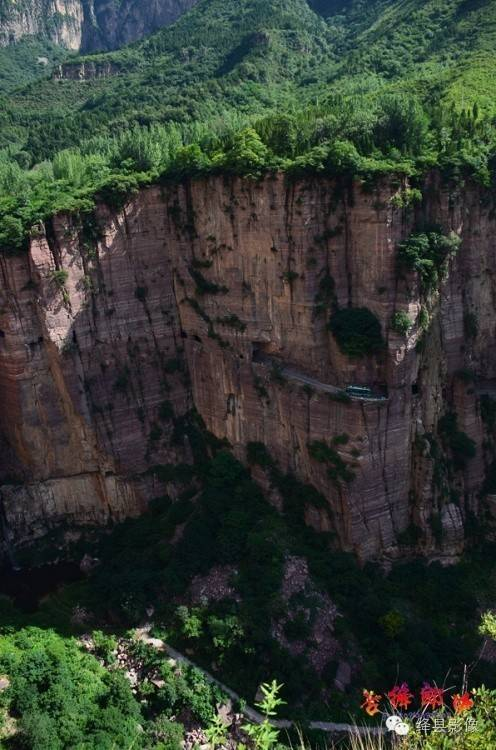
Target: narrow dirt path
x=143 y=634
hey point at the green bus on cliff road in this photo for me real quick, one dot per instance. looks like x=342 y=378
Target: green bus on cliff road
x=359 y=391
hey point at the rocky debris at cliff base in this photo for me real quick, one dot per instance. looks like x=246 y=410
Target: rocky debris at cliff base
x=319 y=613
x=343 y=676
x=81 y=616
x=88 y=564
x=195 y=738
x=135 y=672
x=214 y=586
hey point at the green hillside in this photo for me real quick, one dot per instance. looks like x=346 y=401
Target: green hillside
x=26 y=61
x=439 y=46
x=252 y=56
x=246 y=56
x=362 y=88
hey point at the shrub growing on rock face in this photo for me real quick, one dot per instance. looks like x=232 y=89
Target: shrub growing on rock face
x=12 y=235
x=338 y=470
x=357 y=331
x=427 y=253
x=59 y=277
x=401 y=323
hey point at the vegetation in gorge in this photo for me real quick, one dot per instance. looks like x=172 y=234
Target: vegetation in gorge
x=419 y=632
x=63 y=697
x=231 y=525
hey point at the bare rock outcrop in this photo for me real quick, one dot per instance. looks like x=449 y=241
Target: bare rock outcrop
x=61 y=21
x=88 y=25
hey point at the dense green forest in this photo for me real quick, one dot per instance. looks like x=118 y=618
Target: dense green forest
x=27 y=60
x=365 y=89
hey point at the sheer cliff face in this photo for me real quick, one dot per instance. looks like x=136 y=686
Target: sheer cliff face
x=60 y=21
x=88 y=25
x=109 y=25
x=185 y=298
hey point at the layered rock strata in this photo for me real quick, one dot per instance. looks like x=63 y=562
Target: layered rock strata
x=216 y=295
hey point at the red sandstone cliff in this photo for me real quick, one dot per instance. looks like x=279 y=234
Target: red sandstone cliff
x=87 y=362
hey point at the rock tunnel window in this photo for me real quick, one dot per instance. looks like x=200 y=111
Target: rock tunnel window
x=256 y=352
x=261 y=350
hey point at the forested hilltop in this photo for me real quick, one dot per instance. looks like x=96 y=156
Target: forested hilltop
x=247 y=87
x=254 y=57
